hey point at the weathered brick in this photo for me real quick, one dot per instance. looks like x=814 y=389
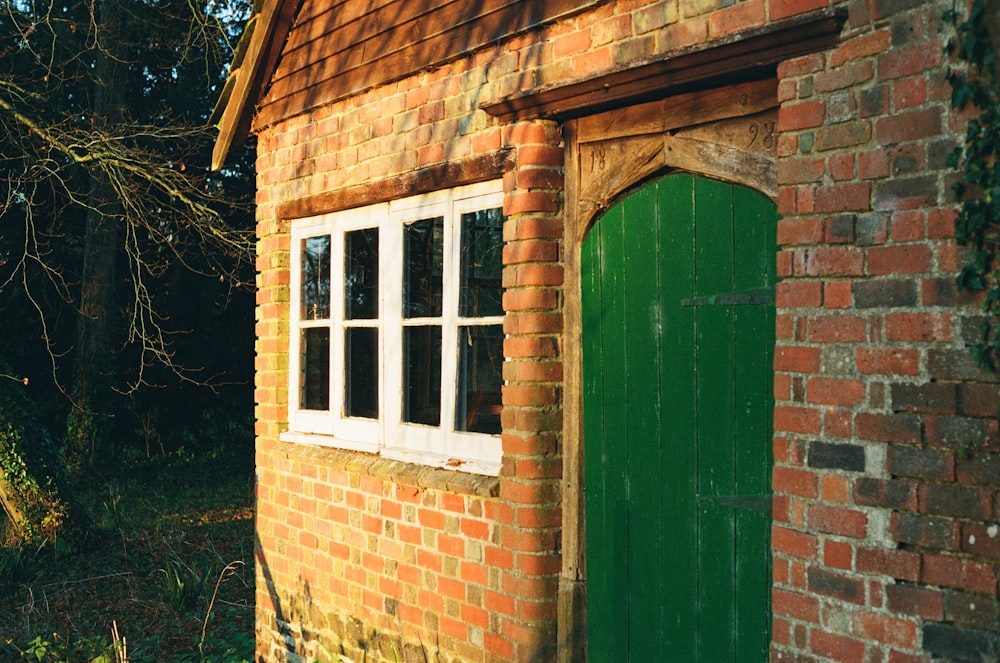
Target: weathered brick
x=795 y=605
x=902 y=259
x=908 y=193
x=958 y=573
x=793 y=542
x=983 y=541
x=979 y=400
x=920 y=530
x=921 y=463
x=981 y=469
x=952 y=642
x=885 y=293
x=836 y=647
x=825 y=455
x=834 y=391
x=895 y=563
x=887 y=493
x=882 y=628
x=931 y=397
x=889 y=427
x=805 y=115
x=956 y=432
x=845 y=134
x=836 y=585
x=853 y=196
x=918 y=327
x=911 y=125
x=972 y=611
x=887 y=361
x=840 y=328
x=837 y=520
x=914 y=600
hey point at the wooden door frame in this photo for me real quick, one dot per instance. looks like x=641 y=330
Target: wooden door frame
x=725 y=133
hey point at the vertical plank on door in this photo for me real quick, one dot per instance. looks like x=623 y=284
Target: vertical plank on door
x=716 y=465
x=642 y=417
x=678 y=450
x=605 y=459
x=755 y=228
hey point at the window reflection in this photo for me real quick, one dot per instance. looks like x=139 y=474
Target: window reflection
x=481 y=264
x=314 y=380
x=361 y=372
x=422 y=375
x=315 y=291
x=480 y=365
x=361 y=274
x=423 y=260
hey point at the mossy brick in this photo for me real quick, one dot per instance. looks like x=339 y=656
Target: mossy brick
x=921 y=462
x=963 y=434
x=956 y=364
x=931 y=397
x=980 y=469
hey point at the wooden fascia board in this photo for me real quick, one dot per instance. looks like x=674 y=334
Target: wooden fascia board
x=672 y=71
x=248 y=79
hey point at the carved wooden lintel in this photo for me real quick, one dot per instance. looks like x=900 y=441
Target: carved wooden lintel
x=736 y=149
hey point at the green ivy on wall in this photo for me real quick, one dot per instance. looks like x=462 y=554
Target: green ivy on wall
x=978 y=189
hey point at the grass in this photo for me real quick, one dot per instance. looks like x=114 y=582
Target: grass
x=172 y=571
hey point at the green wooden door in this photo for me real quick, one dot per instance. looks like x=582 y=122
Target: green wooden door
x=678 y=337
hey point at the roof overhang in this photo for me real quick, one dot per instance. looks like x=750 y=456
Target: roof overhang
x=253 y=63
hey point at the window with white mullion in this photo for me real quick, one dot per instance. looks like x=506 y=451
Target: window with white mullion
x=357 y=340
x=397 y=329
x=310 y=352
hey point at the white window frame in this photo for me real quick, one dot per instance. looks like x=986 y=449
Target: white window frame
x=439 y=446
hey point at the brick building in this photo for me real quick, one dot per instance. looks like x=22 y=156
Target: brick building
x=593 y=330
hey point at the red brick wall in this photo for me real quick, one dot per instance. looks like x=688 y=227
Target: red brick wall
x=886 y=434
x=886 y=465
x=356 y=552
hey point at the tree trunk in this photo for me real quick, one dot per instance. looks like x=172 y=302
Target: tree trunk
x=93 y=402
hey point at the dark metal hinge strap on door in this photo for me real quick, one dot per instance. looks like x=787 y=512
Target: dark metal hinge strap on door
x=763 y=295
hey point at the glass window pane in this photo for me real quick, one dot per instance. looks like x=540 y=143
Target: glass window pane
x=314 y=378
x=361 y=372
x=423 y=259
x=422 y=375
x=481 y=264
x=361 y=274
x=480 y=377
x=315 y=278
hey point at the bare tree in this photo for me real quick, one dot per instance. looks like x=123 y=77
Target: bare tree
x=104 y=189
